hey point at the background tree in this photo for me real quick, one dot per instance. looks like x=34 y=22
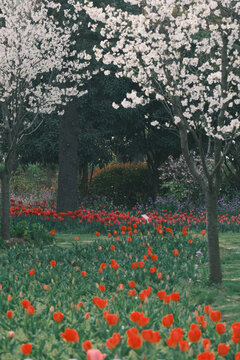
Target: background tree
x=128 y=132
x=186 y=54
x=232 y=170
x=67 y=193
x=104 y=134
x=42 y=145
x=94 y=124
x=37 y=69
x=68 y=156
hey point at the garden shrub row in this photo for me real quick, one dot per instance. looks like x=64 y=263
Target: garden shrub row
x=123 y=183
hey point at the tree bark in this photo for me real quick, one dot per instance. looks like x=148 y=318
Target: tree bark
x=5 y=218
x=84 y=180
x=153 y=168
x=210 y=190
x=67 y=195
x=91 y=174
x=212 y=235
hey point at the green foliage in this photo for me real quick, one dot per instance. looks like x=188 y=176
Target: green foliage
x=29 y=180
x=231 y=171
x=126 y=184
x=178 y=190
x=19 y=228
x=2 y=166
x=42 y=145
x=30 y=231
x=181 y=191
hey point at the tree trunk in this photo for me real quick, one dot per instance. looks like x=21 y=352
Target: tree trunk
x=210 y=190
x=67 y=196
x=153 y=168
x=212 y=234
x=138 y=157
x=84 y=180
x=91 y=174
x=5 y=217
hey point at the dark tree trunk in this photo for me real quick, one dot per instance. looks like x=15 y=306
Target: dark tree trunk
x=91 y=174
x=84 y=180
x=210 y=188
x=212 y=235
x=138 y=157
x=155 y=177
x=5 y=218
x=67 y=196
x=153 y=168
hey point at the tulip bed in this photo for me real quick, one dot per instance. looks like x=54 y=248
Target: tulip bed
x=119 y=297
x=104 y=219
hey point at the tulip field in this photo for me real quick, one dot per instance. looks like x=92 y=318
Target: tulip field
x=119 y=297
x=127 y=113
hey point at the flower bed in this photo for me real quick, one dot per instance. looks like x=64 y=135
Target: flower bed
x=121 y=296
x=103 y=218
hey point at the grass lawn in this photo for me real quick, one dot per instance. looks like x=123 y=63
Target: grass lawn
x=68 y=239
x=229 y=300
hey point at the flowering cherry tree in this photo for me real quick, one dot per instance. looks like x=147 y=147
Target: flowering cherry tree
x=185 y=54
x=39 y=71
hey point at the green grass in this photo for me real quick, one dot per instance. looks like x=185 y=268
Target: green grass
x=224 y=297
x=66 y=239
x=230 y=250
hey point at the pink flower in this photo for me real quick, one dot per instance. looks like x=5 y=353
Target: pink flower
x=11 y=334
x=95 y=354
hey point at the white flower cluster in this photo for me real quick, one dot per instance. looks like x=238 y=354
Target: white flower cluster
x=36 y=61
x=178 y=50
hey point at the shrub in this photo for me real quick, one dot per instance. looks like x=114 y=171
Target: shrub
x=179 y=182
x=30 y=231
x=123 y=184
x=26 y=180
x=32 y=183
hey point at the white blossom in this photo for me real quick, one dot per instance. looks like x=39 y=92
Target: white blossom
x=155 y=123
x=177 y=120
x=115 y=106
x=173 y=49
x=36 y=61
x=107 y=72
x=126 y=104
